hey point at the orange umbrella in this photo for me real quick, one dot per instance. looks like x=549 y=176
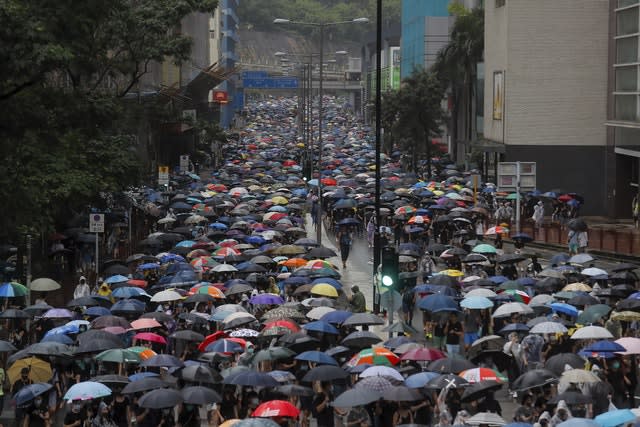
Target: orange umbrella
x=207 y=289
x=294 y=262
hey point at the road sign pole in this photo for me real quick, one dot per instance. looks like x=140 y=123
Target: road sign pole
x=517 y=197
x=97 y=260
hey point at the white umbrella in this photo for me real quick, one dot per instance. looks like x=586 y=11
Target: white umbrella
x=506 y=310
x=548 y=328
x=166 y=220
x=470 y=279
x=488 y=418
x=237 y=319
x=631 y=344
x=318 y=312
x=166 y=296
x=593 y=271
x=578 y=376
x=222 y=268
x=591 y=333
x=481 y=292
x=381 y=371
x=44 y=285
x=195 y=219
x=541 y=300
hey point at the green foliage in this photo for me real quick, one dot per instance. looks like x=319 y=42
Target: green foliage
x=67 y=132
x=414 y=114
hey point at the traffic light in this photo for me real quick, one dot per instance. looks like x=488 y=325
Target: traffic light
x=389 y=267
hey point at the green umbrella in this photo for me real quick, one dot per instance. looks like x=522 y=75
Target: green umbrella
x=484 y=249
x=119 y=355
x=272 y=353
x=593 y=313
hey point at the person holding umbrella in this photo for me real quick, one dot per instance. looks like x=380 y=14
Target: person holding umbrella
x=344 y=239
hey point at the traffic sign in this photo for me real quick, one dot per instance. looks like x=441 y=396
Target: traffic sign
x=96 y=223
x=514 y=175
x=184 y=163
x=391 y=300
x=163 y=175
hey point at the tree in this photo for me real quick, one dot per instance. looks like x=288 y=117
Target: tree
x=457 y=66
x=418 y=115
x=68 y=132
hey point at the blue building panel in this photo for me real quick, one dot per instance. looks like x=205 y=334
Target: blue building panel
x=414 y=31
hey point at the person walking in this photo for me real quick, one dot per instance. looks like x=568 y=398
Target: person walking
x=635 y=210
x=344 y=238
x=358 y=302
x=82 y=288
x=538 y=214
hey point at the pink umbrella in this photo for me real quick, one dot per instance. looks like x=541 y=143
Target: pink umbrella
x=115 y=330
x=632 y=345
x=145 y=324
x=150 y=336
x=423 y=354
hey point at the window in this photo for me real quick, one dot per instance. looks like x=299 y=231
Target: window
x=500 y=3
x=627 y=50
x=626 y=107
x=627 y=79
x=625 y=3
x=627 y=21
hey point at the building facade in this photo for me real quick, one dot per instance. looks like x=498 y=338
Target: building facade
x=545 y=92
x=623 y=112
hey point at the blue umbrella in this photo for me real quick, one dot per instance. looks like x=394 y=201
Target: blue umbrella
x=436 y=303
x=578 y=422
x=420 y=379
x=266 y=299
x=523 y=237
x=564 y=308
x=141 y=375
x=498 y=279
x=559 y=258
x=179 y=266
x=336 y=316
x=97 y=311
x=225 y=346
x=87 y=390
x=185 y=244
x=29 y=392
x=128 y=292
x=218 y=226
x=476 y=303
x=181 y=278
x=321 y=326
x=526 y=281
x=255 y=240
x=604 y=346
x=118 y=278
x=615 y=418
x=170 y=257
x=59 y=338
x=148 y=266
x=128 y=306
x=317 y=357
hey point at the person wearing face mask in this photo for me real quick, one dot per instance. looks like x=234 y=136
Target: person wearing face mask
x=103 y=418
x=37 y=415
x=619 y=381
x=76 y=417
x=321 y=408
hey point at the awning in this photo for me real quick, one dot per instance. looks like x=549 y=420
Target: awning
x=489 y=146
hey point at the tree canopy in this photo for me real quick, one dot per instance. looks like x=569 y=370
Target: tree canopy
x=67 y=131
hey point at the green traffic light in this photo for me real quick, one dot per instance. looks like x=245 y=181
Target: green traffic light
x=387 y=281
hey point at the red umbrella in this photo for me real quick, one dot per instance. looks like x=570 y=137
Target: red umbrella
x=211 y=338
x=137 y=282
x=276 y=408
x=423 y=354
x=292 y=326
x=565 y=198
x=329 y=181
x=151 y=337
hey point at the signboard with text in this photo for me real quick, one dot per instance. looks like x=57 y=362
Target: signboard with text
x=163 y=175
x=508 y=176
x=96 y=223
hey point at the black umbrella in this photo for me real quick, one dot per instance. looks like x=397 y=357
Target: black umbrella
x=577 y=224
x=321 y=252
x=160 y=399
x=450 y=365
x=443 y=280
x=196 y=298
x=295 y=390
x=489 y=343
x=628 y=304
x=510 y=258
x=359 y=319
x=144 y=384
x=571 y=398
x=251 y=378
x=82 y=302
x=557 y=363
x=198 y=395
x=583 y=299
x=200 y=374
x=115 y=269
x=160 y=316
x=361 y=339
x=301 y=343
x=549 y=284
x=623 y=267
x=29 y=392
x=325 y=373
x=532 y=379
x=49 y=348
x=356 y=397
x=238 y=288
x=187 y=335
x=12 y=313
x=479 y=390
x=111 y=379
x=337 y=350
x=162 y=360
x=447 y=381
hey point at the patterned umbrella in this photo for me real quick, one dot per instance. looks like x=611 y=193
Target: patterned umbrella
x=476 y=375
x=374 y=356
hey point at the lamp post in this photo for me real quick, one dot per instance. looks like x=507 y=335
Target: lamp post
x=321 y=26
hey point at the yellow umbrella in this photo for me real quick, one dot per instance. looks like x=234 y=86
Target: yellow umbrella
x=279 y=200
x=452 y=273
x=230 y=423
x=577 y=287
x=39 y=370
x=625 y=316
x=325 y=290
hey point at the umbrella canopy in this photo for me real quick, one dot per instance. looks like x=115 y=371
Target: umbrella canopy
x=198 y=395
x=356 y=397
x=374 y=356
x=39 y=370
x=615 y=418
x=486 y=418
x=276 y=408
x=44 y=285
x=591 y=332
x=87 y=390
x=29 y=392
x=325 y=373
x=160 y=399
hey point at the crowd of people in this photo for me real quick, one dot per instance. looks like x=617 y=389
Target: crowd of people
x=231 y=315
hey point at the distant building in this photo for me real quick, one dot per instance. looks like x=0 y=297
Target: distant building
x=227 y=23
x=546 y=66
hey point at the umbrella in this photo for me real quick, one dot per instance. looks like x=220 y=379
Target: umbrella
x=437 y=303
x=486 y=418
x=476 y=303
x=578 y=376
x=571 y=398
x=118 y=355
x=423 y=354
x=251 y=378
x=317 y=357
x=39 y=370
x=359 y=319
x=325 y=373
x=295 y=390
x=187 y=335
x=276 y=408
x=318 y=312
x=532 y=379
x=200 y=374
x=447 y=381
x=237 y=319
x=591 y=332
x=402 y=393
x=549 y=328
x=450 y=365
x=356 y=397
x=631 y=345
x=577 y=224
x=579 y=422
x=558 y=362
x=361 y=339
x=151 y=337
x=510 y=308
x=12 y=313
x=160 y=399
x=87 y=390
x=198 y=395
x=144 y=384
x=381 y=371
x=593 y=313
x=374 y=356
x=321 y=326
x=420 y=379
x=29 y=392
x=479 y=390
x=376 y=383
x=273 y=353
x=477 y=375
x=44 y=285
x=162 y=360
x=615 y=418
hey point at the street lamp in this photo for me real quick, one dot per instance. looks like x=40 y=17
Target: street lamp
x=321 y=26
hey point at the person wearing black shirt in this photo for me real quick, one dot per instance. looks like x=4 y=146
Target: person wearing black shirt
x=453 y=331
x=36 y=414
x=322 y=410
x=76 y=416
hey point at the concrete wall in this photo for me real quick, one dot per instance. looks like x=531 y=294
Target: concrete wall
x=554 y=55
